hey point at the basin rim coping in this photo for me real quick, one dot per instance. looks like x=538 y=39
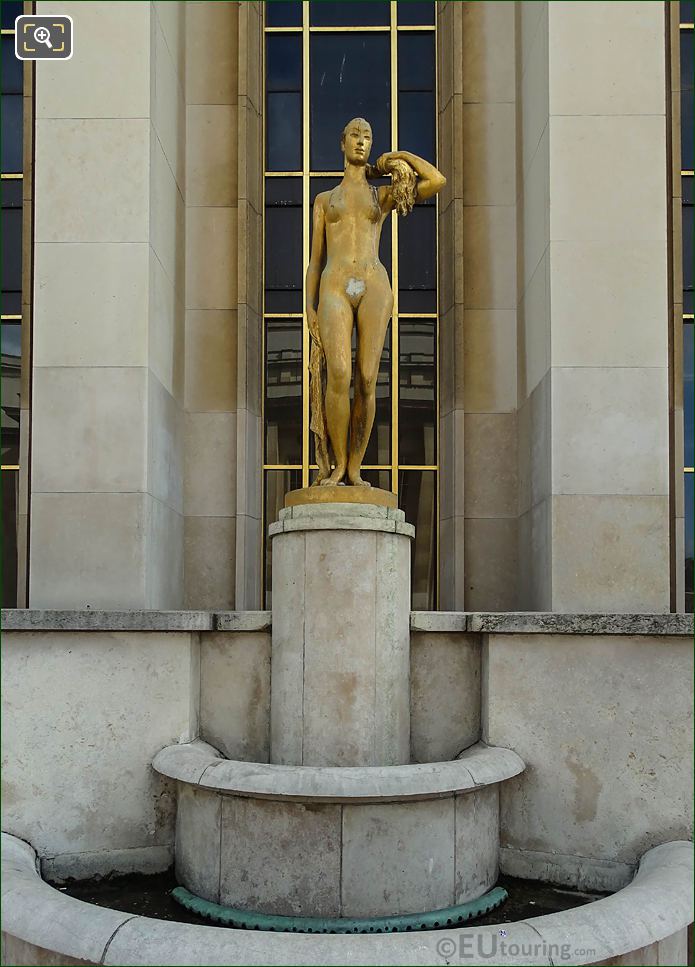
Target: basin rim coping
x=655 y=905
x=199 y=764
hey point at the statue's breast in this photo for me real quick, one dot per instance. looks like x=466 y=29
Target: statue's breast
x=341 y=205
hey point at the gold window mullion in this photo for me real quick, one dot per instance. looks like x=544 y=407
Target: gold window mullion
x=306 y=220
x=394 y=255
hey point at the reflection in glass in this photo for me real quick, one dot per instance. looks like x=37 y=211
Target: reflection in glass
x=10 y=344
x=415 y=12
x=283 y=245
x=11 y=148
x=277 y=484
x=10 y=485
x=417 y=496
x=330 y=13
x=689 y=550
x=283 y=13
x=350 y=77
x=284 y=102
x=688 y=393
x=416 y=403
x=283 y=394
x=417 y=264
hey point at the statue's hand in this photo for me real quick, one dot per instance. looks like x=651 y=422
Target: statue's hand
x=383 y=160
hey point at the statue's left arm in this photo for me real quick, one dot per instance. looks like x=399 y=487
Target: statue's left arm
x=429 y=179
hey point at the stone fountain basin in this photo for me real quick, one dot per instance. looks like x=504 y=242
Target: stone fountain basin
x=361 y=841
x=644 y=923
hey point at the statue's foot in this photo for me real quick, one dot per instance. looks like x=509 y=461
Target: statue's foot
x=357 y=481
x=335 y=478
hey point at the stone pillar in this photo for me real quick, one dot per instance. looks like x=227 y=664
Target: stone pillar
x=340 y=669
x=593 y=308
x=107 y=395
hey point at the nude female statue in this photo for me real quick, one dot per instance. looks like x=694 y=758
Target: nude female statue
x=353 y=287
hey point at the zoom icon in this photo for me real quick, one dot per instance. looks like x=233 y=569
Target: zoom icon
x=43 y=37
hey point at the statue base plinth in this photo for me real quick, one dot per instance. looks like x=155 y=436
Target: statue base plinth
x=341 y=494
x=340 y=666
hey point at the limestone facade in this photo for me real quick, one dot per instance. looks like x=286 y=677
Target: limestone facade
x=145 y=486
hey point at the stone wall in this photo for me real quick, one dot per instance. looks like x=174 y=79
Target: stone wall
x=597 y=706
x=107 y=419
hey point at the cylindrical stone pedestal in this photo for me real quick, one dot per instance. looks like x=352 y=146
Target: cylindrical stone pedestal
x=340 y=670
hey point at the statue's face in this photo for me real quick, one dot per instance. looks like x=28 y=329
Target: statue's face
x=357 y=142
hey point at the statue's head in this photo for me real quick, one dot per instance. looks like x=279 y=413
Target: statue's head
x=356 y=141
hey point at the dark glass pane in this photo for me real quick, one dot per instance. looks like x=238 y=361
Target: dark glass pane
x=350 y=77
x=12 y=249
x=417 y=496
x=10 y=483
x=284 y=132
x=283 y=391
x=416 y=62
x=283 y=191
x=687 y=131
x=283 y=13
x=277 y=484
x=283 y=62
x=359 y=13
x=687 y=61
x=689 y=550
x=416 y=404
x=416 y=120
x=417 y=264
x=688 y=394
x=687 y=12
x=377 y=478
x=12 y=68
x=283 y=245
x=10 y=11
x=688 y=188
x=11 y=303
x=11 y=132
x=415 y=12
x=688 y=248
x=12 y=193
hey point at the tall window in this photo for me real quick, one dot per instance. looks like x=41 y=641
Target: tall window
x=687 y=38
x=12 y=196
x=326 y=63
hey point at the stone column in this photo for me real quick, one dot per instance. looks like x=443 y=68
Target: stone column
x=593 y=308
x=107 y=398
x=340 y=669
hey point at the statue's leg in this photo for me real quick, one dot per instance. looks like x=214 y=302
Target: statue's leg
x=372 y=321
x=336 y=319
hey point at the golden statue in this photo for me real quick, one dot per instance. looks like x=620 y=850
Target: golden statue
x=352 y=287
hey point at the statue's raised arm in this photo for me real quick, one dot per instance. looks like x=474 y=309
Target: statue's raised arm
x=346 y=285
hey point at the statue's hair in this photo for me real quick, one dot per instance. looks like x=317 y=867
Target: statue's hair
x=403 y=178
x=403 y=184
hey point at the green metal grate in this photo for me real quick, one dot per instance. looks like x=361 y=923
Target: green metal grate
x=435 y=920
